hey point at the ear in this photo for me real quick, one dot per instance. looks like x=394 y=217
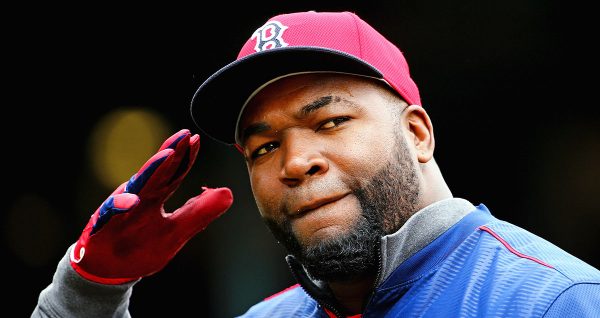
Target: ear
x=420 y=132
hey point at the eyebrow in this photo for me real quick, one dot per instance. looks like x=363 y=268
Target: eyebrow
x=259 y=127
x=317 y=104
x=253 y=129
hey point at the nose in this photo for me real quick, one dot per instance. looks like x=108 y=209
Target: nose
x=302 y=159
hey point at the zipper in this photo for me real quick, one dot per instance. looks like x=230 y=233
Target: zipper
x=328 y=305
x=377 y=277
x=319 y=300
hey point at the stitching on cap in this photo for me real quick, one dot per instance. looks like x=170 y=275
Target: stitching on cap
x=358 y=33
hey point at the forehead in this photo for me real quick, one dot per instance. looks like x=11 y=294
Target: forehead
x=296 y=90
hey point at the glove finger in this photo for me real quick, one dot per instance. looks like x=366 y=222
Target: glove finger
x=188 y=160
x=172 y=141
x=120 y=189
x=139 y=180
x=163 y=175
x=119 y=203
x=202 y=209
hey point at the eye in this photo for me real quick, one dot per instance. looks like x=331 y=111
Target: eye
x=264 y=149
x=334 y=122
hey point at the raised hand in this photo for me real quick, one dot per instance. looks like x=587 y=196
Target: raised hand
x=131 y=235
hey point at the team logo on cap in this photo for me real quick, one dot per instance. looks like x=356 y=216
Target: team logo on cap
x=269 y=36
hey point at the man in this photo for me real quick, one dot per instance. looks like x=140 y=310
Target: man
x=339 y=152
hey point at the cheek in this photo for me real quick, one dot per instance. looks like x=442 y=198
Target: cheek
x=267 y=200
x=361 y=155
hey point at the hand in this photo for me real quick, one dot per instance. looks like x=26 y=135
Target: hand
x=131 y=235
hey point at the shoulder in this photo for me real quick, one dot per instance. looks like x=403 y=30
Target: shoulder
x=579 y=300
x=539 y=276
x=527 y=248
x=290 y=302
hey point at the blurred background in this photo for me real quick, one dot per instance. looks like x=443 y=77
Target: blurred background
x=94 y=91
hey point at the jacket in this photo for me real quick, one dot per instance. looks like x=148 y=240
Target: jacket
x=478 y=267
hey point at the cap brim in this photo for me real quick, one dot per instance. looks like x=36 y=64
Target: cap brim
x=218 y=101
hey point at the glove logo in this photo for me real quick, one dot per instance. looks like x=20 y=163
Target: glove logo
x=81 y=253
x=269 y=36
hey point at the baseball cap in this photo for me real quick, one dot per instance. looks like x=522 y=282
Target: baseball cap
x=294 y=43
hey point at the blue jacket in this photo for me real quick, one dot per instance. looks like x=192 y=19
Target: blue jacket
x=479 y=267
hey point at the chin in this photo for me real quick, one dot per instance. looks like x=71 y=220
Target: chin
x=324 y=235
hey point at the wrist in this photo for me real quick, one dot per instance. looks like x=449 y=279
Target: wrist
x=91 y=277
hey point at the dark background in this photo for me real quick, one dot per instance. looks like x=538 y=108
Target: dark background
x=510 y=87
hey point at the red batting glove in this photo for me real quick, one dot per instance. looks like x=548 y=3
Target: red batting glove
x=130 y=235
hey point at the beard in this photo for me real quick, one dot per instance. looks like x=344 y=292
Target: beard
x=387 y=200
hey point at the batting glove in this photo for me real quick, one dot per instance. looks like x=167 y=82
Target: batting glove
x=130 y=235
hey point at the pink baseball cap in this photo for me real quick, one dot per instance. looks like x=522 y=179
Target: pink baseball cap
x=301 y=42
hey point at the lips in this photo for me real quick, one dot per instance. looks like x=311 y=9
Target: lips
x=317 y=203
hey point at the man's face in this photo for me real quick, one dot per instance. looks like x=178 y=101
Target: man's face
x=329 y=167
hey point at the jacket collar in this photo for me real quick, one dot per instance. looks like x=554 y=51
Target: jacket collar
x=421 y=229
